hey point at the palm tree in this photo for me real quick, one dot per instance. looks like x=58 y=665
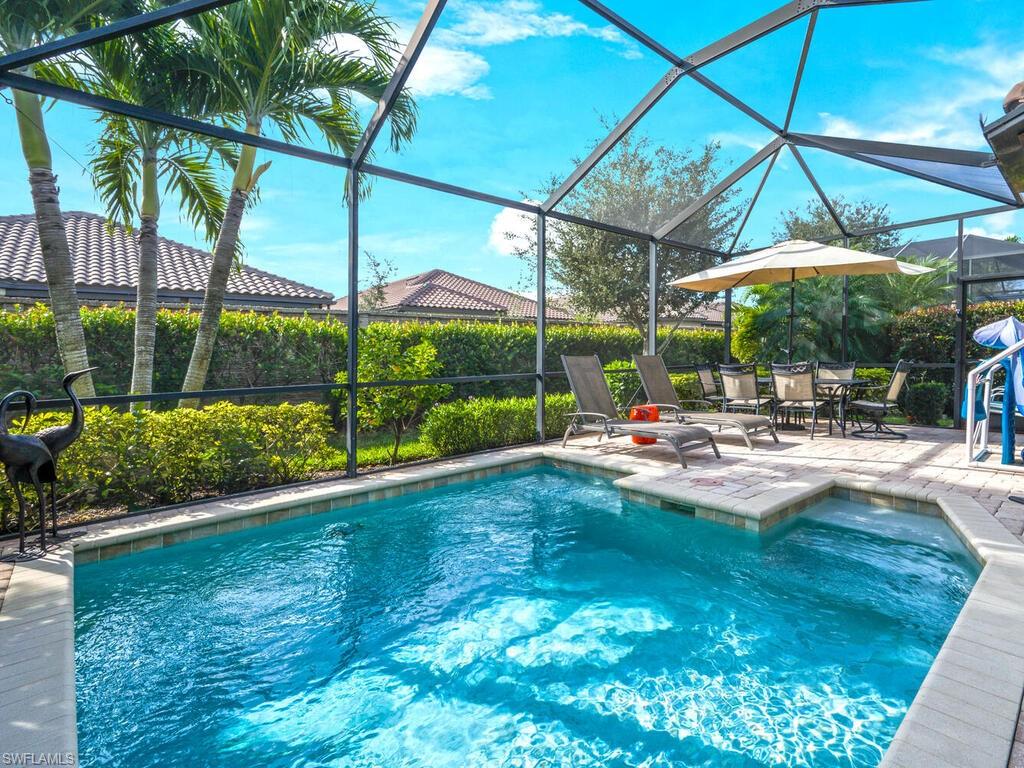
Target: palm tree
x=902 y=293
x=132 y=157
x=24 y=24
x=275 y=62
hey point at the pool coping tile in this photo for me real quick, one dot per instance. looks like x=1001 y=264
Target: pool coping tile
x=943 y=724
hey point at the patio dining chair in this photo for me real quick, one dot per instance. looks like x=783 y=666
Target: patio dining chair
x=827 y=372
x=795 y=392
x=835 y=397
x=708 y=385
x=739 y=389
x=598 y=413
x=661 y=394
x=877 y=410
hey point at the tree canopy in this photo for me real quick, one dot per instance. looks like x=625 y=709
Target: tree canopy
x=603 y=273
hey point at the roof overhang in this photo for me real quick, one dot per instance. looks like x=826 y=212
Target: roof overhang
x=1006 y=137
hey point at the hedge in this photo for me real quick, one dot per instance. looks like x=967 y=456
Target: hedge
x=925 y=403
x=256 y=349
x=163 y=457
x=929 y=335
x=150 y=458
x=463 y=426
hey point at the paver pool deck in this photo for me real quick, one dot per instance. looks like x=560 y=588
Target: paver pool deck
x=966 y=714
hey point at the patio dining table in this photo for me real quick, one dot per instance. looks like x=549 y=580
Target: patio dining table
x=836 y=391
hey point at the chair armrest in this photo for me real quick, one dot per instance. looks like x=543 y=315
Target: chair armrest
x=666 y=406
x=598 y=416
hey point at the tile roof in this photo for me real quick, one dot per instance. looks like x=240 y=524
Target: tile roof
x=106 y=260
x=438 y=291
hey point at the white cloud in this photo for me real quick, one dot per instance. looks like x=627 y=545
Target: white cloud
x=948 y=115
x=511 y=229
x=998 y=225
x=449 y=66
x=423 y=243
x=449 y=72
x=749 y=140
x=509 y=21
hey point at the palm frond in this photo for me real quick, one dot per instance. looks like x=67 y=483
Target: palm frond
x=116 y=168
x=190 y=177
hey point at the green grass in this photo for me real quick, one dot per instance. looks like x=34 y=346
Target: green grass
x=375 y=448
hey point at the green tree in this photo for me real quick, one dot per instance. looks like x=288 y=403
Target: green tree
x=384 y=357
x=24 y=24
x=640 y=186
x=813 y=221
x=761 y=324
x=133 y=159
x=382 y=271
x=273 y=61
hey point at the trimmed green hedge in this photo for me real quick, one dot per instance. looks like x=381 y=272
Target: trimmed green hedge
x=153 y=458
x=163 y=457
x=470 y=425
x=929 y=335
x=265 y=350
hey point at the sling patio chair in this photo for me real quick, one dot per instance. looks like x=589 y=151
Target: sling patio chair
x=598 y=413
x=795 y=391
x=835 y=395
x=661 y=394
x=739 y=389
x=877 y=410
x=708 y=386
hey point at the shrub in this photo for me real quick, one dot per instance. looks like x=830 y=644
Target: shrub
x=385 y=357
x=623 y=386
x=926 y=402
x=687 y=387
x=163 y=457
x=470 y=425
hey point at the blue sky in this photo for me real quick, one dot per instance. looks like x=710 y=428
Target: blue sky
x=512 y=92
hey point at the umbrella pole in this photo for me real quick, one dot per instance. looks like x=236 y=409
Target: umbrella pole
x=792 y=308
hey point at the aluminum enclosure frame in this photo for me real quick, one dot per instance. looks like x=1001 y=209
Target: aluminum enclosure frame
x=13 y=76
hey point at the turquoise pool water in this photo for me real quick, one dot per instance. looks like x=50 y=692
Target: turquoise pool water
x=527 y=620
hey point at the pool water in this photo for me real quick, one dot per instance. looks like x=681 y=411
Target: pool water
x=532 y=619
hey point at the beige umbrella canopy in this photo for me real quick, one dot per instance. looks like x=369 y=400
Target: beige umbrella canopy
x=790 y=261
x=794 y=260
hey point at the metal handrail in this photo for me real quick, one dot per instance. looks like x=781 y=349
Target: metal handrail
x=977 y=434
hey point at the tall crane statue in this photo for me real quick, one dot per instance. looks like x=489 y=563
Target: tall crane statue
x=25 y=456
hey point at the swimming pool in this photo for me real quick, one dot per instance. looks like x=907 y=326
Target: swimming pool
x=525 y=618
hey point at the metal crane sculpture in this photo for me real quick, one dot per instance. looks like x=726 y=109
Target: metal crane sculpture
x=57 y=439
x=25 y=456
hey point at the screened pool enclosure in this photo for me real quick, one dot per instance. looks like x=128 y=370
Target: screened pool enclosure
x=967 y=184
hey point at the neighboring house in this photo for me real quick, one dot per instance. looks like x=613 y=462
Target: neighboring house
x=982 y=256
x=441 y=295
x=106 y=270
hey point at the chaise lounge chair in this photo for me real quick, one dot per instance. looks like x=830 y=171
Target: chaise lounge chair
x=597 y=412
x=661 y=393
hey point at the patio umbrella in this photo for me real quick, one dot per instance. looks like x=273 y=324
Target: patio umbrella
x=790 y=261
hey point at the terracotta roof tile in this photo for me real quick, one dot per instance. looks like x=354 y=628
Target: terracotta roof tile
x=439 y=291
x=107 y=259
